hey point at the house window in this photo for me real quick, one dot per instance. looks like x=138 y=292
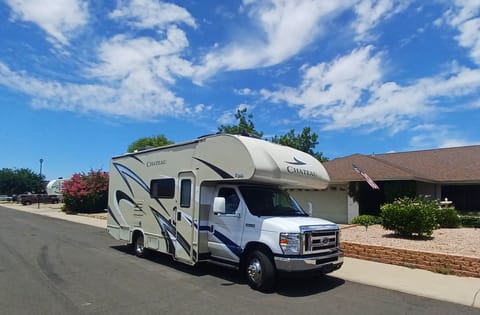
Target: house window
x=185 y=193
x=162 y=188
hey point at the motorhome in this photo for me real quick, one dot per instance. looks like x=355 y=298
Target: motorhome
x=223 y=199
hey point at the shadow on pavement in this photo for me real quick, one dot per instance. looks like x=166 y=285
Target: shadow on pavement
x=291 y=286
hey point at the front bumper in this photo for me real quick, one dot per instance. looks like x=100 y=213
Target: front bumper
x=322 y=263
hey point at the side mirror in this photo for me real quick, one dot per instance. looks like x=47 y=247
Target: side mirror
x=219 y=205
x=309 y=208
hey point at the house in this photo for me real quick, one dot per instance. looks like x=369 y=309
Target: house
x=452 y=173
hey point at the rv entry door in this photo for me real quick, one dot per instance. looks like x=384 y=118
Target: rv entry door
x=184 y=219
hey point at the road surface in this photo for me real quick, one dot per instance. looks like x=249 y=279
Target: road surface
x=50 y=266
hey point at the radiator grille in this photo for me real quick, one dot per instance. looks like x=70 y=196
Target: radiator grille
x=320 y=241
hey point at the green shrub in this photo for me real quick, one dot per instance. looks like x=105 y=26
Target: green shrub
x=408 y=216
x=470 y=221
x=366 y=220
x=448 y=218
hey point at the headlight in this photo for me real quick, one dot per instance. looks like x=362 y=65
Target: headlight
x=290 y=243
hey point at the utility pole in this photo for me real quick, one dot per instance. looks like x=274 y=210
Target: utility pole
x=38 y=197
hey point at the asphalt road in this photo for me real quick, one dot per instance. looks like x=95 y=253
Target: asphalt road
x=49 y=266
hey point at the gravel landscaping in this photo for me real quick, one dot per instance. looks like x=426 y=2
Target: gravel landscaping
x=462 y=241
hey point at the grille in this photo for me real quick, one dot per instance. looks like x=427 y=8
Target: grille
x=320 y=241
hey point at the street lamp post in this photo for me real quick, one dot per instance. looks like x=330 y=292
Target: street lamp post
x=38 y=197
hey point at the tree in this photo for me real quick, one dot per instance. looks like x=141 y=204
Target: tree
x=245 y=125
x=20 y=181
x=305 y=141
x=153 y=141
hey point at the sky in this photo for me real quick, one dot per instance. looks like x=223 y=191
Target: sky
x=81 y=80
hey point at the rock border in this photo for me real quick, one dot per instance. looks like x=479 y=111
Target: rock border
x=440 y=263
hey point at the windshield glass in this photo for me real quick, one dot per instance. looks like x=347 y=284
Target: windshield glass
x=266 y=201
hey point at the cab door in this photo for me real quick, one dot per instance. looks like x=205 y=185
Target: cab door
x=226 y=230
x=184 y=218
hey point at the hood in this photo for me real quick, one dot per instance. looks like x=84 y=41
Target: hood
x=293 y=224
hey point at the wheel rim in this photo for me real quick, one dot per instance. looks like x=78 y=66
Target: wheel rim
x=254 y=271
x=139 y=246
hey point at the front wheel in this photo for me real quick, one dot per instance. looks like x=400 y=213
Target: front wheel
x=260 y=272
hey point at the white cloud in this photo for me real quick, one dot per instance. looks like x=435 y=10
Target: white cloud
x=59 y=18
x=121 y=55
x=371 y=12
x=437 y=136
x=226 y=118
x=151 y=14
x=349 y=92
x=283 y=28
x=133 y=76
x=137 y=97
x=464 y=17
x=332 y=85
x=143 y=69
x=244 y=91
x=199 y=108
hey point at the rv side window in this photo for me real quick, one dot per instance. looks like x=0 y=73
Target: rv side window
x=162 y=188
x=185 y=193
x=231 y=199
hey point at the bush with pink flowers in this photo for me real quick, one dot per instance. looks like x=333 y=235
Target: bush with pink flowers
x=86 y=193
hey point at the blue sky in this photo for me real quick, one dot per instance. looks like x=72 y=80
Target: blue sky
x=81 y=80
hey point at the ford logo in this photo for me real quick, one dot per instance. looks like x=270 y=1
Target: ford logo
x=325 y=240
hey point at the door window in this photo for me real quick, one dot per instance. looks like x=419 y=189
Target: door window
x=231 y=199
x=185 y=193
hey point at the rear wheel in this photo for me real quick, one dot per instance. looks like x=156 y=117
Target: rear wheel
x=139 y=246
x=260 y=272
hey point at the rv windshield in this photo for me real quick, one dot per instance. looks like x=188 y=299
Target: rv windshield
x=267 y=201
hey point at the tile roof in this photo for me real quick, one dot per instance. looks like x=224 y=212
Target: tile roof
x=450 y=165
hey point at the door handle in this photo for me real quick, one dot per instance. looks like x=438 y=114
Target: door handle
x=179 y=215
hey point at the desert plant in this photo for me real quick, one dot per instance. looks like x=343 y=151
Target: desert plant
x=408 y=216
x=366 y=220
x=86 y=192
x=447 y=217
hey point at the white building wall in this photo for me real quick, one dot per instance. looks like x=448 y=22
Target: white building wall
x=353 y=209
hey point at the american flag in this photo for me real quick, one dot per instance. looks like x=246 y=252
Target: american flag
x=365 y=176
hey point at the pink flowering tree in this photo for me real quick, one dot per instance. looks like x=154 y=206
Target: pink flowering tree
x=86 y=193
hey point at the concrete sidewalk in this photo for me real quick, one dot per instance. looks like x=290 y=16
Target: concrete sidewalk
x=461 y=290
x=54 y=211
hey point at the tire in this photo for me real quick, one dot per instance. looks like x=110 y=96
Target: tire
x=260 y=272
x=139 y=246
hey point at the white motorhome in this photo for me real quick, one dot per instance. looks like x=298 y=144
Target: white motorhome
x=223 y=199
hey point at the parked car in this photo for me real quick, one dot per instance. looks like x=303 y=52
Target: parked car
x=28 y=199
x=5 y=198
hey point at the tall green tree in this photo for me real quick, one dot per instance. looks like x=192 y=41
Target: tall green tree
x=305 y=141
x=153 y=141
x=245 y=125
x=19 y=181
